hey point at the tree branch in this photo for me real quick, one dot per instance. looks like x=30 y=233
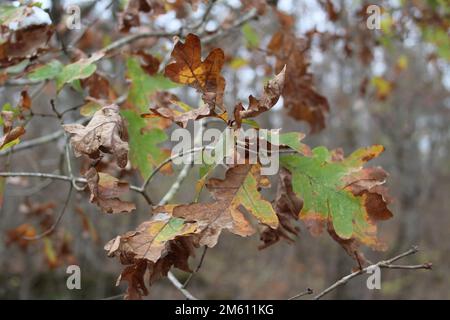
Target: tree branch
x=386 y=264
x=301 y=294
x=179 y=286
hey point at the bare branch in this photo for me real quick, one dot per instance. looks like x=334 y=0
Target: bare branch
x=188 y=280
x=179 y=286
x=301 y=294
x=386 y=264
x=136 y=36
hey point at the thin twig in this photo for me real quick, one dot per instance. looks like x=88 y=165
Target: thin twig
x=188 y=280
x=168 y=160
x=301 y=294
x=179 y=286
x=381 y=264
x=133 y=37
x=58 y=219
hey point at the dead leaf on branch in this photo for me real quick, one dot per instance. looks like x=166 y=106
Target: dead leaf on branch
x=105 y=133
x=156 y=246
x=272 y=92
x=24 y=32
x=189 y=69
x=105 y=191
x=239 y=190
x=287 y=206
x=168 y=106
x=151 y=238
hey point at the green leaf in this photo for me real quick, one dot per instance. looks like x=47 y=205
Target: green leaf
x=46 y=72
x=145 y=154
x=290 y=139
x=143 y=85
x=250 y=36
x=249 y=197
x=81 y=69
x=320 y=182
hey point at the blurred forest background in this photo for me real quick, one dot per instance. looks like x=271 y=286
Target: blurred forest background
x=389 y=86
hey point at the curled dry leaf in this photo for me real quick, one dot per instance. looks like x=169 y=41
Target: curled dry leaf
x=287 y=206
x=24 y=31
x=189 y=69
x=99 y=87
x=105 y=133
x=149 y=63
x=166 y=105
x=272 y=92
x=340 y=194
x=105 y=191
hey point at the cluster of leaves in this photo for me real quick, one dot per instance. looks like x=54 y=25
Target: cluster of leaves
x=321 y=187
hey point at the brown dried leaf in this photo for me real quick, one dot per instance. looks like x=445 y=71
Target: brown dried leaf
x=105 y=192
x=189 y=69
x=166 y=107
x=287 y=206
x=105 y=133
x=238 y=190
x=24 y=34
x=272 y=92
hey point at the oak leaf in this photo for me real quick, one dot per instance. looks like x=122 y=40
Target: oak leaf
x=168 y=106
x=150 y=240
x=105 y=191
x=239 y=190
x=156 y=246
x=272 y=92
x=24 y=32
x=340 y=194
x=105 y=133
x=189 y=69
